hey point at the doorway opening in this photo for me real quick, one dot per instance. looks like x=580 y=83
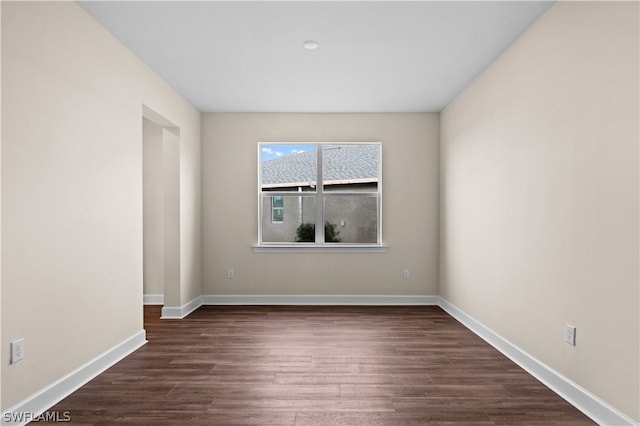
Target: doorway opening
x=161 y=209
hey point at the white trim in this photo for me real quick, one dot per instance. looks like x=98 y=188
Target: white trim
x=153 y=299
x=169 y=312
x=50 y=395
x=319 y=248
x=381 y=300
x=592 y=406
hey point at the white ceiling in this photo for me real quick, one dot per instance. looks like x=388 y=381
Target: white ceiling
x=377 y=56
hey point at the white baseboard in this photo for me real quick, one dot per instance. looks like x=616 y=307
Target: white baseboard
x=363 y=300
x=592 y=406
x=179 y=312
x=49 y=396
x=153 y=299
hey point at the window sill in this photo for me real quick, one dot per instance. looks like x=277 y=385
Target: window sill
x=318 y=248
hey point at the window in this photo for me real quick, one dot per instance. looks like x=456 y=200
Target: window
x=320 y=194
x=277 y=209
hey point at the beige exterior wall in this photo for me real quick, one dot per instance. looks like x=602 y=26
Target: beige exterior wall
x=540 y=196
x=409 y=206
x=72 y=199
x=354 y=218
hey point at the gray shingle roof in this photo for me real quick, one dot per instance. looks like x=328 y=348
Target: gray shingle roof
x=340 y=163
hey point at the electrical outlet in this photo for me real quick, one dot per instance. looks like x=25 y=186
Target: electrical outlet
x=230 y=274
x=17 y=351
x=570 y=334
x=406 y=274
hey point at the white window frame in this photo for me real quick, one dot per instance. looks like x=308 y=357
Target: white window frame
x=319 y=244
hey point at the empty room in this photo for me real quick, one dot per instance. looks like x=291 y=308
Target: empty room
x=320 y=212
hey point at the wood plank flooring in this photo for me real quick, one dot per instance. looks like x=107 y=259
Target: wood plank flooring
x=295 y=365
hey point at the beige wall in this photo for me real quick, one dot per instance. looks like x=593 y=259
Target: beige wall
x=410 y=212
x=153 y=214
x=540 y=196
x=72 y=191
x=173 y=291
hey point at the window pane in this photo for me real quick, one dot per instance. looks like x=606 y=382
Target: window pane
x=277 y=215
x=295 y=211
x=350 y=167
x=351 y=218
x=277 y=201
x=288 y=167
x=349 y=203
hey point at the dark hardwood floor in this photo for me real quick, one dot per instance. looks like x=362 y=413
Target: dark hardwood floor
x=294 y=365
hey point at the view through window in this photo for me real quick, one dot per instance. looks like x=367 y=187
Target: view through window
x=320 y=193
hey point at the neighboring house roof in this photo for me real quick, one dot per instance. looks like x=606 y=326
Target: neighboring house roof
x=342 y=164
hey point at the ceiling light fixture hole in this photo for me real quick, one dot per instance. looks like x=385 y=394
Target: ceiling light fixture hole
x=310 y=45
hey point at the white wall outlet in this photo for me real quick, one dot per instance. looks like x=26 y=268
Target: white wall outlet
x=406 y=274
x=570 y=334
x=230 y=274
x=17 y=351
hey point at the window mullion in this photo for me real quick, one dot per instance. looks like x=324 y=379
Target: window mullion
x=319 y=198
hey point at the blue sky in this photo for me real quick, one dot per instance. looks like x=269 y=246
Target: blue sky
x=269 y=152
